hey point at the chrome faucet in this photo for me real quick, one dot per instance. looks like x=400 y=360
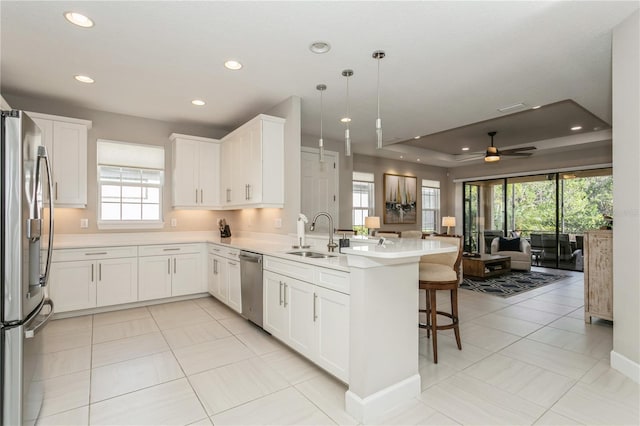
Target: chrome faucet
x=332 y=245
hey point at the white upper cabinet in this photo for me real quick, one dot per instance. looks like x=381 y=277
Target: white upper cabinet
x=66 y=142
x=252 y=173
x=196 y=172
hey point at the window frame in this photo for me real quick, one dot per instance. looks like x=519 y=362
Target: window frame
x=432 y=185
x=368 y=179
x=107 y=224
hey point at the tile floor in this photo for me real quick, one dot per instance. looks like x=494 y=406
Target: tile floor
x=529 y=359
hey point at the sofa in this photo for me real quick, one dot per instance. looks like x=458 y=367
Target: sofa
x=520 y=260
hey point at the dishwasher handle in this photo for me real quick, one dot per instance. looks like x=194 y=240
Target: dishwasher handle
x=251 y=257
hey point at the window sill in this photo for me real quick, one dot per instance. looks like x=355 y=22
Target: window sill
x=130 y=224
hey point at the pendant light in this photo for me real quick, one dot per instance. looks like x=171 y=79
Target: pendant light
x=321 y=88
x=378 y=55
x=347 y=118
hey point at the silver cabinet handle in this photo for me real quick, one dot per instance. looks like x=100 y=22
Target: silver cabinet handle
x=248 y=191
x=215 y=266
x=280 y=292
x=99 y=271
x=285 y=294
x=169 y=266
x=201 y=196
x=92 y=272
x=101 y=253
x=56 y=191
x=315 y=316
x=175 y=268
x=171 y=249
x=196 y=196
x=228 y=195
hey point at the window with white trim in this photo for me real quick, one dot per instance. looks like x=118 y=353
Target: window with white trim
x=130 y=184
x=430 y=205
x=363 y=191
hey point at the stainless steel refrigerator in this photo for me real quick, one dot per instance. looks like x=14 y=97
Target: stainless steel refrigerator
x=26 y=230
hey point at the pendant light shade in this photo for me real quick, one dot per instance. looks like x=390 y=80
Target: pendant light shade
x=378 y=55
x=347 y=118
x=321 y=88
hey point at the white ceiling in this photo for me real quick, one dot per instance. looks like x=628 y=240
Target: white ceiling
x=448 y=64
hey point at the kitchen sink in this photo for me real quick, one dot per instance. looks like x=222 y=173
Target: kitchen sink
x=312 y=254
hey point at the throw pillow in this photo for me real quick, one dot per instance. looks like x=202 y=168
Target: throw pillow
x=506 y=244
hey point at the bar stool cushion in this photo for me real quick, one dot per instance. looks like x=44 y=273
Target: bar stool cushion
x=436 y=272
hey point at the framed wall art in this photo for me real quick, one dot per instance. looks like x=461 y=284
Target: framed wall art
x=400 y=195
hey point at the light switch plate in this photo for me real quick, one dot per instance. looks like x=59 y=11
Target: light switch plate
x=84 y=223
x=278 y=223
x=174 y=222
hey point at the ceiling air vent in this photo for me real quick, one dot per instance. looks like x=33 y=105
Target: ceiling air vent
x=512 y=108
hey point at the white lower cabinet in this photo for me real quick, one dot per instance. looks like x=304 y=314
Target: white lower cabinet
x=224 y=276
x=109 y=278
x=309 y=318
x=170 y=270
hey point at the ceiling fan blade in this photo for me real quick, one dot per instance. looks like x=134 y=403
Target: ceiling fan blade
x=516 y=154
x=524 y=148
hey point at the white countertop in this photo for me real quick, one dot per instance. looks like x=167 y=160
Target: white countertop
x=277 y=245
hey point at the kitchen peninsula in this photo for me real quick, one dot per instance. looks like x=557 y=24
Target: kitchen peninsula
x=372 y=287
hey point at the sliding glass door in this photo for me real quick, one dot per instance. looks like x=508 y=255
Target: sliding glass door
x=551 y=210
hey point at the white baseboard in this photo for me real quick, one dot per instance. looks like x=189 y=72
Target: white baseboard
x=371 y=408
x=625 y=366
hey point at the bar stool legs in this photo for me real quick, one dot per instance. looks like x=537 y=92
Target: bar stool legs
x=432 y=318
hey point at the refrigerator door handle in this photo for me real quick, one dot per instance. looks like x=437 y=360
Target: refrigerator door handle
x=29 y=333
x=42 y=154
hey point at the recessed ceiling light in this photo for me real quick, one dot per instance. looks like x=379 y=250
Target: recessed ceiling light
x=466 y=148
x=320 y=47
x=345 y=120
x=536 y=107
x=233 y=65
x=78 y=19
x=574 y=128
x=418 y=159
x=198 y=102
x=84 y=78
x=402 y=156
x=416 y=137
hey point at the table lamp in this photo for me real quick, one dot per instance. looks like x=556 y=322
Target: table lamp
x=448 y=221
x=371 y=223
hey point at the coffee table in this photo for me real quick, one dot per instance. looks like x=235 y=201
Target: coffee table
x=485 y=266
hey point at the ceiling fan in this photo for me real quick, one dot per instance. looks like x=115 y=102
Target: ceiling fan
x=493 y=154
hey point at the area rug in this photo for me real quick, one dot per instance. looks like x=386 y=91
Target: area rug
x=512 y=283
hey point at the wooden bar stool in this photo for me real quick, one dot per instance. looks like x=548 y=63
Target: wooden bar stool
x=441 y=272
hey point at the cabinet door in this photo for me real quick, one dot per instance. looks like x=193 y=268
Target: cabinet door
x=117 y=281
x=298 y=300
x=252 y=148
x=233 y=274
x=239 y=161
x=332 y=331
x=187 y=276
x=72 y=285
x=155 y=277
x=275 y=315
x=185 y=173
x=226 y=167
x=70 y=164
x=209 y=178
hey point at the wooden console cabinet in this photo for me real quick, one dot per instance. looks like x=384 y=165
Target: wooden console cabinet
x=598 y=275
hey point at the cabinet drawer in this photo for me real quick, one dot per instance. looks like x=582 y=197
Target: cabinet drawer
x=67 y=255
x=331 y=279
x=297 y=270
x=168 y=249
x=224 y=251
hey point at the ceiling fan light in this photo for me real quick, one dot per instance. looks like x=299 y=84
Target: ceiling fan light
x=490 y=157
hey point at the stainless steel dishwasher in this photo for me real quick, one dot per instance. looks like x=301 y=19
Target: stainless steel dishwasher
x=251 y=286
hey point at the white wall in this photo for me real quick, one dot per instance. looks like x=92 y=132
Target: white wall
x=626 y=197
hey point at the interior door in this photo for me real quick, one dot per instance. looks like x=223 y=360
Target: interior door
x=320 y=186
